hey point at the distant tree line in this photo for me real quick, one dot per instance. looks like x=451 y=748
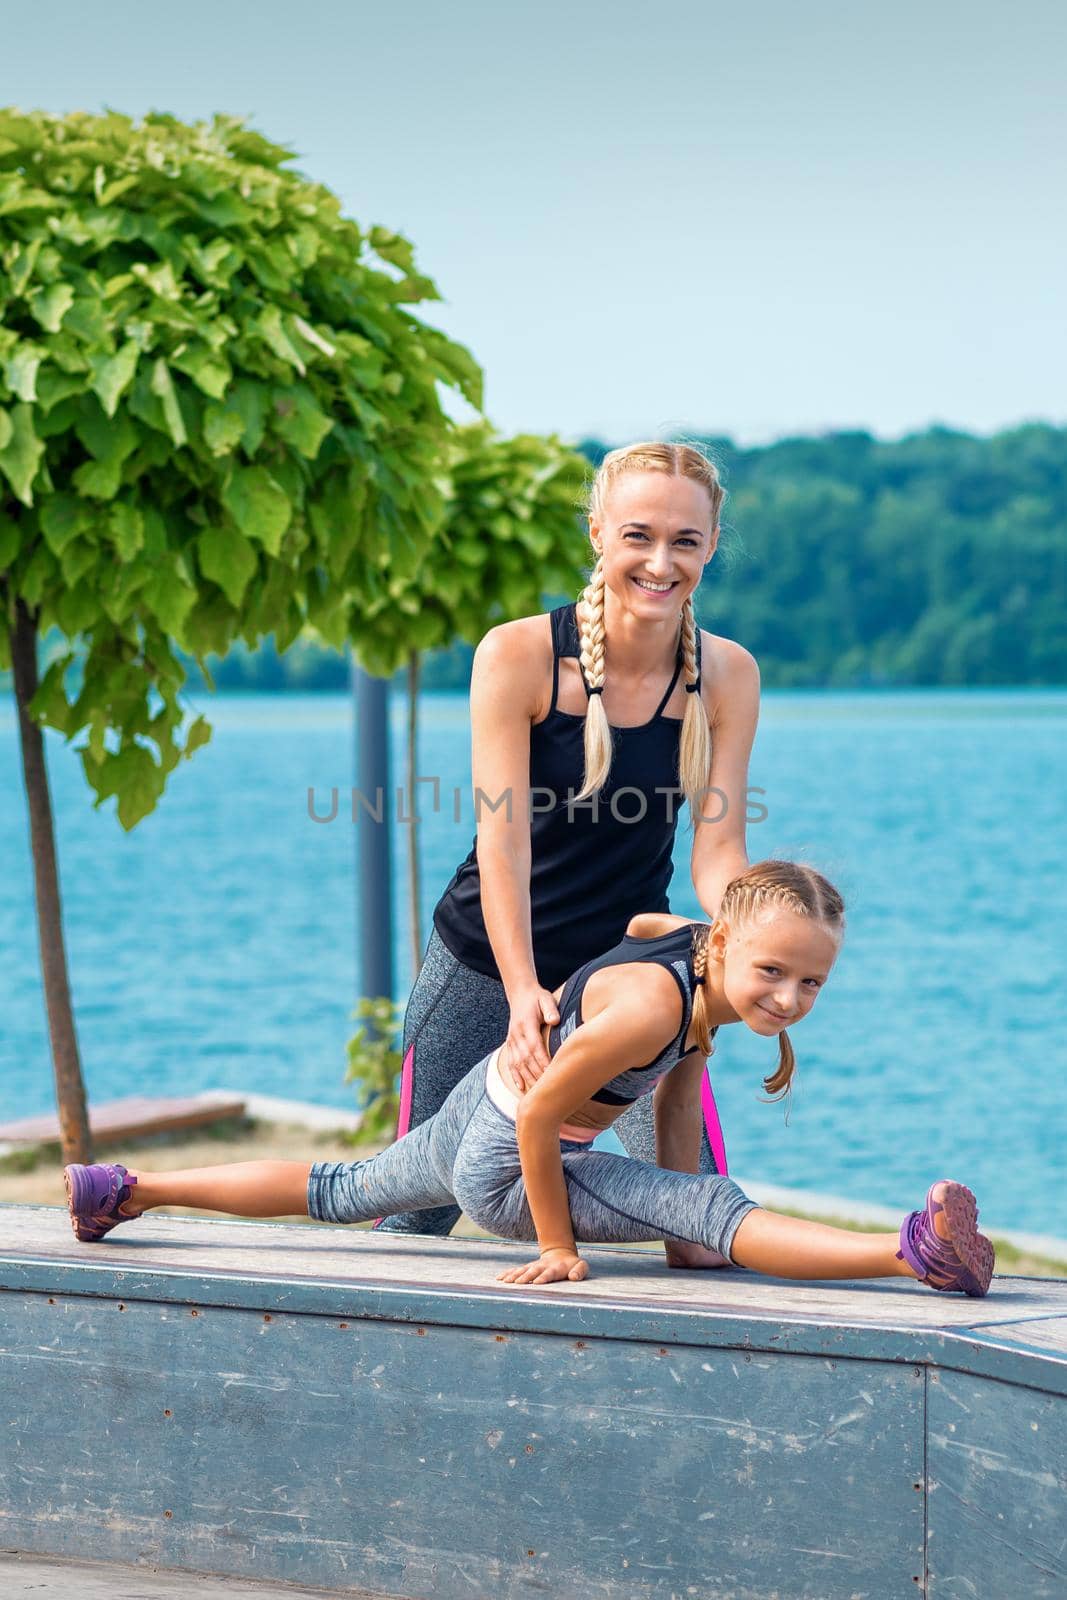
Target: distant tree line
x=939 y=558
x=846 y=560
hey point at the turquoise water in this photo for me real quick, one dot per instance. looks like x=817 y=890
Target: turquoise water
x=215 y=945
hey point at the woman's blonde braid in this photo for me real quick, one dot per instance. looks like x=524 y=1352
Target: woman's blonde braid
x=689 y=641
x=591 y=652
x=694 y=745
x=591 y=628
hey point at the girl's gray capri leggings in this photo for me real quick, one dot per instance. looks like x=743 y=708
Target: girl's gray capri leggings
x=455 y=1016
x=467 y=1154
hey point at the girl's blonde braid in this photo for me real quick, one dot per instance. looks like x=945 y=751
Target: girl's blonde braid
x=701 y=1026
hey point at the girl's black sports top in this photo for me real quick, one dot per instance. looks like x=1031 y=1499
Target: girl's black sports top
x=670 y=950
x=596 y=864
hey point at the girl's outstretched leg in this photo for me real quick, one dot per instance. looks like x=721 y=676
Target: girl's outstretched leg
x=789 y=1247
x=104 y=1194
x=940 y=1245
x=414 y=1173
x=241 y=1188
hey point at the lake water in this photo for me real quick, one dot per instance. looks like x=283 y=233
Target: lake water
x=215 y=945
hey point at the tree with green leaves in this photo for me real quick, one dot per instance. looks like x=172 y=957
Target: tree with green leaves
x=219 y=420
x=510 y=536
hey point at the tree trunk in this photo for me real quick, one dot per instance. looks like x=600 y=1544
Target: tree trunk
x=414 y=884
x=70 y=1090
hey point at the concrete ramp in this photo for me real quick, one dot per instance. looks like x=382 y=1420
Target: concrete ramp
x=326 y=1407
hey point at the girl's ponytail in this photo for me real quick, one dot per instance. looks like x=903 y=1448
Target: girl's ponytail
x=780 y=1081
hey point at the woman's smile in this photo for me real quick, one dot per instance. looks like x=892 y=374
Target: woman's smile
x=659 y=590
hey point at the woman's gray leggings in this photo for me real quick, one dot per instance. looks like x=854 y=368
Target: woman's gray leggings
x=468 y=1154
x=455 y=1016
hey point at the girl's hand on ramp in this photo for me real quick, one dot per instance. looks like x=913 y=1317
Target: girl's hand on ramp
x=527 y=1055
x=551 y=1267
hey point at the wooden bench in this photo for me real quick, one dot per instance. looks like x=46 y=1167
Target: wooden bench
x=338 y=1409
x=129 y=1118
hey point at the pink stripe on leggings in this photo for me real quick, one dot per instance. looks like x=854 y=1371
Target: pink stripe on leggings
x=403 y=1121
x=711 y=1123
x=407 y=1076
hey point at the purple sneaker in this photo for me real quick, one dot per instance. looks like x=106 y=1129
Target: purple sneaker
x=963 y=1260
x=94 y=1195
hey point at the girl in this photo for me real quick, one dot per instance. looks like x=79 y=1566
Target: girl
x=599 y=721
x=637 y=1021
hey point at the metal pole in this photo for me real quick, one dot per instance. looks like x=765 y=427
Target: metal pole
x=374 y=858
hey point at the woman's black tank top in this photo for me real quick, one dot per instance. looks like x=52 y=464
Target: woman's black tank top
x=593 y=865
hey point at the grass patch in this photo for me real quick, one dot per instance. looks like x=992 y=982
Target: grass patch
x=30 y=1157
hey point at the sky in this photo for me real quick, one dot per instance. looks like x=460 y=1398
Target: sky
x=753 y=220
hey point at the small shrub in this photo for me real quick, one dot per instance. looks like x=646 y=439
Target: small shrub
x=375 y=1058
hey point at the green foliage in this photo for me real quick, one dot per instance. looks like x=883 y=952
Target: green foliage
x=374 y=1062
x=849 y=562
x=218 y=418
x=510 y=533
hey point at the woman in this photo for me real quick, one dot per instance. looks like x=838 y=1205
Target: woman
x=636 y=1024
x=583 y=722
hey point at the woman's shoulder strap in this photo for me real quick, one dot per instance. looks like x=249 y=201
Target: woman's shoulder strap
x=565 y=630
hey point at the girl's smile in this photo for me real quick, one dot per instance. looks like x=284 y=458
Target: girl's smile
x=776 y=1018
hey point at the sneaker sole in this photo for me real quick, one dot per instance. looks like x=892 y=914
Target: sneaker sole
x=975 y=1251
x=86 y=1229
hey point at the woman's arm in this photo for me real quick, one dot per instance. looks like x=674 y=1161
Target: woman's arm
x=510 y=666
x=676 y=1109
x=679 y=1121
x=731 y=700
x=640 y=1017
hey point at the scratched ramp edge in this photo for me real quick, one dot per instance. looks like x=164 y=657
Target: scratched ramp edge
x=450 y=1462
x=364 y=1275
x=54 y=1578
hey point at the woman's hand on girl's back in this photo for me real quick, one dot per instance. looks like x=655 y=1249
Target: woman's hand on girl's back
x=527 y=1056
x=552 y=1266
